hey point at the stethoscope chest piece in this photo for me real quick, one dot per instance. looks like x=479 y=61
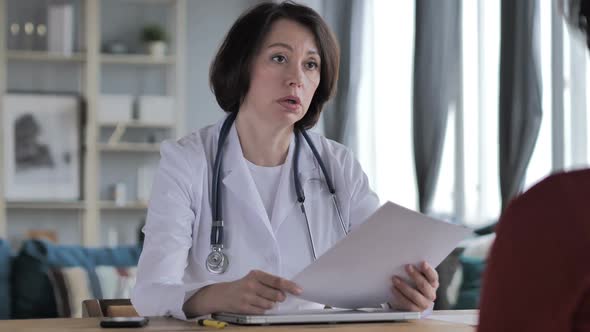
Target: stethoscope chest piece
x=217 y=261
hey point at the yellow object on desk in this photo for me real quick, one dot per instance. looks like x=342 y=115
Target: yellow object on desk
x=212 y=323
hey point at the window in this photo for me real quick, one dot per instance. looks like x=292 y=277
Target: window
x=481 y=62
x=570 y=141
x=468 y=187
x=540 y=164
x=392 y=82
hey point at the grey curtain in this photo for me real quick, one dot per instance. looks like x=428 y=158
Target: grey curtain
x=345 y=17
x=437 y=81
x=520 y=93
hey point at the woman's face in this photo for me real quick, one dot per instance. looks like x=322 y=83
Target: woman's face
x=285 y=75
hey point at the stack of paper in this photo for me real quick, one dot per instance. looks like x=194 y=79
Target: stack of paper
x=357 y=271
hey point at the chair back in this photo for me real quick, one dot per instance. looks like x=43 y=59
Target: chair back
x=108 y=308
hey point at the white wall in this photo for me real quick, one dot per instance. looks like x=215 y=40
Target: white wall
x=208 y=22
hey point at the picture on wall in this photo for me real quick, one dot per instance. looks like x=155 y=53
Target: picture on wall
x=41 y=147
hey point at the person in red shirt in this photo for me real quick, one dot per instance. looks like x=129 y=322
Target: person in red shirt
x=538 y=272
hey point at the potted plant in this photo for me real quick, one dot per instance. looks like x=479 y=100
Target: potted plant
x=154 y=37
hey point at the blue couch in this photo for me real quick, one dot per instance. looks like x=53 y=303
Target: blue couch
x=5 y=267
x=25 y=288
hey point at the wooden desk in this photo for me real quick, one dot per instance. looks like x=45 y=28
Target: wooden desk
x=167 y=324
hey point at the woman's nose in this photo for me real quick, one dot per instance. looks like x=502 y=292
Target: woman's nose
x=295 y=78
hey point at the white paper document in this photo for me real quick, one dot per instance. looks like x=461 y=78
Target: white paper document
x=357 y=271
x=467 y=318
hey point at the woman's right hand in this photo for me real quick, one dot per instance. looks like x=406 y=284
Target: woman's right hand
x=255 y=293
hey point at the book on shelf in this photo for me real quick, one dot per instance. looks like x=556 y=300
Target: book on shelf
x=60 y=29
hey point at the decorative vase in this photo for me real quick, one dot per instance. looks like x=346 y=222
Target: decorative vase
x=157 y=48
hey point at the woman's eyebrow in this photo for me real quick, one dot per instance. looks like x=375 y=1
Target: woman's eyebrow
x=287 y=46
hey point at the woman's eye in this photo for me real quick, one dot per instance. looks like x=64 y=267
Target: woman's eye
x=312 y=65
x=279 y=59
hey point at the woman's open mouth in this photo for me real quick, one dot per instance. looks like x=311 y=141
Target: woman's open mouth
x=291 y=103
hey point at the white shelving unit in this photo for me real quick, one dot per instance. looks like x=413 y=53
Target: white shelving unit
x=92 y=60
x=44 y=56
x=107 y=205
x=136 y=124
x=138 y=60
x=129 y=147
x=45 y=205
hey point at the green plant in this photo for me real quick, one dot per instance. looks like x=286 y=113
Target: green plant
x=153 y=33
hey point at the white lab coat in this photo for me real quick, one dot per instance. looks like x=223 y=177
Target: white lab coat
x=177 y=232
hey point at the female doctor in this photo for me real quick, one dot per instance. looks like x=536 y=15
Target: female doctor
x=240 y=207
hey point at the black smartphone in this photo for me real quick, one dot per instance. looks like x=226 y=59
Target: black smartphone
x=123 y=321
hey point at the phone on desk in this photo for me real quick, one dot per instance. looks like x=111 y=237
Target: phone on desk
x=123 y=321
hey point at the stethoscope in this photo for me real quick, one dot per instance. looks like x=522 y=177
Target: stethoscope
x=217 y=261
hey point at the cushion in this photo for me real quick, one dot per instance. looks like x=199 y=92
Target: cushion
x=72 y=285
x=471 y=286
x=473 y=262
x=479 y=247
x=460 y=274
x=33 y=295
x=116 y=282
x=5 y=269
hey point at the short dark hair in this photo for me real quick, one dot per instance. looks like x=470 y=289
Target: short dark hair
x=577 y=15
x=584 y=20
x=231 y=68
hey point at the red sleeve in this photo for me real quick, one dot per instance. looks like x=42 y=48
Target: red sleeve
x=537 y=273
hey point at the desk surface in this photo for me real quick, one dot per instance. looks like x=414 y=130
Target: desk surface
x=167 y=324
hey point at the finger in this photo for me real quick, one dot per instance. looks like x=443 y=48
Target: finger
x=267 y=279
x=270 y=294
x=252 y=310
x=412 y=294
x=402 y=302
x=245 y=305
x=259 y=302
x=290 y=286
x=277 y=282
x=422 y=284
x=430 y=274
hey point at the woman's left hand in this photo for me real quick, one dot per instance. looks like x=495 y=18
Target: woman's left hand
x=417 y=298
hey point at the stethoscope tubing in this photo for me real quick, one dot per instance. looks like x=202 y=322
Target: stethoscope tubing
x=217 y=261
x=217 y=225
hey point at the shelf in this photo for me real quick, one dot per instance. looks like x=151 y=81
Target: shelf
x=137 y=124
x=141 y=142
x=129 y=147
x=137 y=59
x=150 y=2
x=44 y=56
x=45 y=205
x=111 y=205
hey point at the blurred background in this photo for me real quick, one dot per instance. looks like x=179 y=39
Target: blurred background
x=452 y=107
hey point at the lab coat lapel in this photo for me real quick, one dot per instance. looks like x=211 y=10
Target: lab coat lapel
x=286 y=198
x=238 y=179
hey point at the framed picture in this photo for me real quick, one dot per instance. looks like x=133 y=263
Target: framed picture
x=41 y=147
